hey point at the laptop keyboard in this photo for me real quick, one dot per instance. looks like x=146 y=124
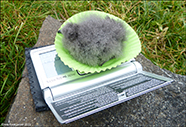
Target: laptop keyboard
x=102 y=96
x=135 y=84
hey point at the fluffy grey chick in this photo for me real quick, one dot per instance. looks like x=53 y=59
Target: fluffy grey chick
x=95 y=40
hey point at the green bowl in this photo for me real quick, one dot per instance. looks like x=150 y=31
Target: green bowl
x=132 y=45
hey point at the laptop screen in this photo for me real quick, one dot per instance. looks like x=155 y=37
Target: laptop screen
x=52 y=64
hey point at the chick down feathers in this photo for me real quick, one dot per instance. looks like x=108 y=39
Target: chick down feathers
x=95 y=40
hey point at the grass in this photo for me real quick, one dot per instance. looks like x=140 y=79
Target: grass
x=160 y=25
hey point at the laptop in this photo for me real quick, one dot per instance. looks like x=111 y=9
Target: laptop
x=72 y=95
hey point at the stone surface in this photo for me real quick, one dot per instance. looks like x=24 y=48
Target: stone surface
x=162 y=107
